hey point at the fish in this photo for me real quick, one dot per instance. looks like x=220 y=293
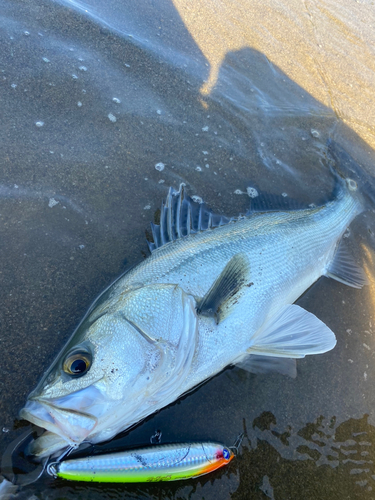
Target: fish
x=167 y=462
x=214 y=292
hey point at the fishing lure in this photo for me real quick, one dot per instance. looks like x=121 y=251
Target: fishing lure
x=157 y=463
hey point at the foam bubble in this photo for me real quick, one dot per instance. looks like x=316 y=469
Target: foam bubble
x=83 y=68
x=116 y=100
x=39 y=124
x=198 y=168
x=52 y=202
x=160 y=166
x=79 y=104
x=205 y=129
x=252 y=192
x=112 y=118
x=197 y=199
x=314 y=133
x=46 y=60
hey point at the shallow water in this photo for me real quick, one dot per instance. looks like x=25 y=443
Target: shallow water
x=221 y=96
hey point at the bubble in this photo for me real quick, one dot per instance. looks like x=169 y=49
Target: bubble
x=14 y=85
x=197 y=199
x=352 y=184
x=207 y=165
x=52 y=202
x=127 y=65
x=238 y=191
x=81 y=247
x=26 y=33
x=160 y=166
x=112 y=118
x=147 y=207
x=198 y=168
x=5 y=429
x=161 y=181
x=314 y=133
x=158 y=111
x=205 y=129
x=284 y=194
x=39 y=124
x=46 y=60
x=79 y=104
x=205 y=153
x=116 y=100
x=252 y=192
x=75 y=77
x=82 y=68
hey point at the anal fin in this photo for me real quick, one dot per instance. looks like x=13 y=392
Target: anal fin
x=269 y=364
x=344 y=269
x=217 y=301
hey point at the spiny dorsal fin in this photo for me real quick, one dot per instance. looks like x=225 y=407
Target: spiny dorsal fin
x=181 y=216
x=235 y=275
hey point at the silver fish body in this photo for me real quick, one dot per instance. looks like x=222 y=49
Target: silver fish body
x=199 y=303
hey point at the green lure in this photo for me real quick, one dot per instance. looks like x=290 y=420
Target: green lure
x=157 y=463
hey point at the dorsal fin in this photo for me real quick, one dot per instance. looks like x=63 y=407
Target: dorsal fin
x=181 y=216
x=266 y=202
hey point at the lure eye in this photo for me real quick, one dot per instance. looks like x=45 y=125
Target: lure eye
x=77 y=363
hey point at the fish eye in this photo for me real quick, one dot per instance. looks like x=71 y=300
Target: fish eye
x=77 y=363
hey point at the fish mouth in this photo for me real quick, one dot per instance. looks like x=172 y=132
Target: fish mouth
x=71 y=425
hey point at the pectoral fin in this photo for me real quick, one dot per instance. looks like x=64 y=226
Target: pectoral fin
x=222 y=294
x=293 y=333
x=344 y=269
